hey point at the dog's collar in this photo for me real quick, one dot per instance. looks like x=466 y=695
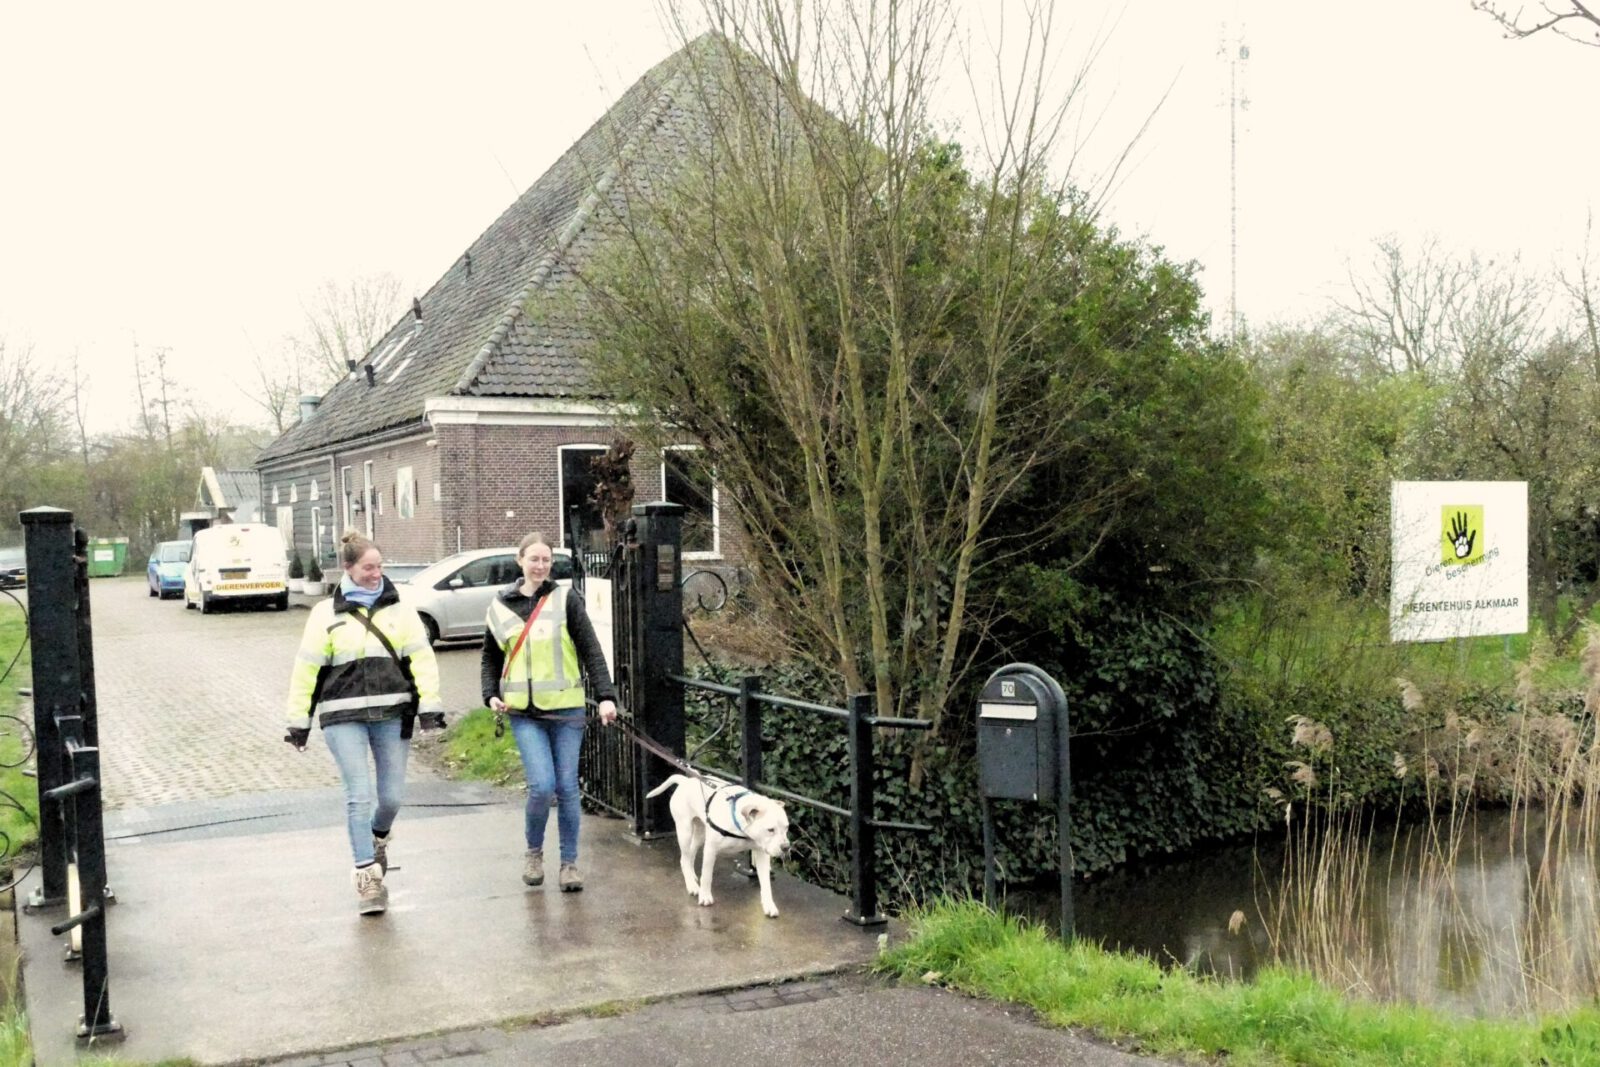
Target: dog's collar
x=733 y=813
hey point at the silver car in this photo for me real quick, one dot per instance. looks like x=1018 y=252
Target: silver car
x=453 y=595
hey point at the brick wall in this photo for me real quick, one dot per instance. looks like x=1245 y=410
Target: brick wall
x=489 y=470
x=495 y=483
x=404 y=538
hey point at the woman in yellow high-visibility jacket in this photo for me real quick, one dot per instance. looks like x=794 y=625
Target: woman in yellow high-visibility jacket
x=538 y=645
x=366 y=670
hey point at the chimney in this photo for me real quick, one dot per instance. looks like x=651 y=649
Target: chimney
x=372 y=375
x=416 y=307
x=308 y=407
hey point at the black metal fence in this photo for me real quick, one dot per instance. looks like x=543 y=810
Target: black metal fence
x=859 y=726
x=72 y=857
x=648 y=594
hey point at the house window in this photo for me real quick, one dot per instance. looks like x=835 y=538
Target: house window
x=577 y=491
x=366 y=495
x=294 y=493
x=686 y=479
x=344 y=495
x=436 y=496
x=274 y=495
x=405 y=493
x=317 y=530
x=286 y=528
x=314 y=493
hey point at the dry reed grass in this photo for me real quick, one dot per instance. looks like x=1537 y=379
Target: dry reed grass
x=1486 y=909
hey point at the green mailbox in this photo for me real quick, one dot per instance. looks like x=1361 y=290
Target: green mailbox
x=108 y=556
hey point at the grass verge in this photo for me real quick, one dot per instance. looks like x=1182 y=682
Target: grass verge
x=471 y=750
x=19 y=822
x=1279 y=1018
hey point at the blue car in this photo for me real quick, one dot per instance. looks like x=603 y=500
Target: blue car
x=165 y=570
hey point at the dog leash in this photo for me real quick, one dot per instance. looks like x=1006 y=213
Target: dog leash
x=638 y=736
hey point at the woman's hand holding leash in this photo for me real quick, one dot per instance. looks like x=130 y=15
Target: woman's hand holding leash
x=608 y=711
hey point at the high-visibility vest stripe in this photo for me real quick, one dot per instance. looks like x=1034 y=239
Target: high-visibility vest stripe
x=545 y=669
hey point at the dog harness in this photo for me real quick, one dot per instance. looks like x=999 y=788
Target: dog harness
x=734 y=795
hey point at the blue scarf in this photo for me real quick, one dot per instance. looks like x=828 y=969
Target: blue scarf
x=355 y=594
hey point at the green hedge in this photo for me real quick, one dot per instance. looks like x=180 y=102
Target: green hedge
x=1169 y=757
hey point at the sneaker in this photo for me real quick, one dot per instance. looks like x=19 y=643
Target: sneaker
x=571 y=880
x=372 y=894
x=533 y=867
x=380 y=850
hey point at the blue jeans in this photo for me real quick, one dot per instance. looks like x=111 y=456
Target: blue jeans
x=549 y=753
x=350 y=742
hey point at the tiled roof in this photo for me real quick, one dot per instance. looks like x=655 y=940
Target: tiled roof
x=238 y=486
x=474 y=336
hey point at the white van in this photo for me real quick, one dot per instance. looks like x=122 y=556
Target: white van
x=244 y=562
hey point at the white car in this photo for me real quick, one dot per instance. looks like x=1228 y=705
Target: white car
x=453 y=595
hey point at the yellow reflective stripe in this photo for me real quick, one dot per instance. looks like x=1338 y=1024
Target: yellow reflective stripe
x=316 y=659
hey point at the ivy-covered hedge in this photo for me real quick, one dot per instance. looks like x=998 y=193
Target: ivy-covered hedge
x=1168 y=756
x=1160 y=765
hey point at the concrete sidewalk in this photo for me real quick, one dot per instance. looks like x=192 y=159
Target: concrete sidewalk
x=235 y=939
x=248 y=947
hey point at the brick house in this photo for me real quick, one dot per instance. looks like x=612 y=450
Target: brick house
x=472 y=421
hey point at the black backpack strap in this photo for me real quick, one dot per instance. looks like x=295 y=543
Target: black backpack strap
x=408 y=716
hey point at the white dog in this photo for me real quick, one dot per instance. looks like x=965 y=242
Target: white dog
x=715 y=816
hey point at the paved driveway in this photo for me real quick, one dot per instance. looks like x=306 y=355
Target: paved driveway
x=191 y=705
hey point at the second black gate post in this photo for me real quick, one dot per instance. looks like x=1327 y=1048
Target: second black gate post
x=657 y=627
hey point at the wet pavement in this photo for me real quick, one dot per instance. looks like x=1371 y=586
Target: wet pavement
x=234 y=936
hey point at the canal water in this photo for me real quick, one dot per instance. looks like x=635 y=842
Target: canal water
x=1483 y=922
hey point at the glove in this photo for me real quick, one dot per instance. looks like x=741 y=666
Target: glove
x=431 y=720
x=298 y=738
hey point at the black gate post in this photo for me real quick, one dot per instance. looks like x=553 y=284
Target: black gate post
x=863 y=826
x=53 y=635
x=657 y=624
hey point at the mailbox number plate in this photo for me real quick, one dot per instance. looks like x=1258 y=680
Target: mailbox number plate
x=1008 y=711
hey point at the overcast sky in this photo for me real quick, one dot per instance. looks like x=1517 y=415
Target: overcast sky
x=182 y=176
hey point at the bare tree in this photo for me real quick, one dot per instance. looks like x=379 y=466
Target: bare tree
x=80 y=408
x=342 y=323
x=1401 y=310
x=32 y=417
x=1580 y=283
x=854 y=323
x=280 y=381
x=1418 y=310
x=1571 y=19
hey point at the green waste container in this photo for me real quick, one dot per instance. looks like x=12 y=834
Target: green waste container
x=108 y=556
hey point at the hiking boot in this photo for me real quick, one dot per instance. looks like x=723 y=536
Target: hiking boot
x=571 y=881
x=373 y=896
x=380 y=850
x=533 y=867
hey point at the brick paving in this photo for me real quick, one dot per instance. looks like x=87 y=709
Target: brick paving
x=191 y=705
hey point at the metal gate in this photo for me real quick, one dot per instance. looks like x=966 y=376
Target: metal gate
x=647 y=651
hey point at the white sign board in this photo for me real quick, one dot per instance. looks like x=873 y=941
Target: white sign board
x=1459 y=560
